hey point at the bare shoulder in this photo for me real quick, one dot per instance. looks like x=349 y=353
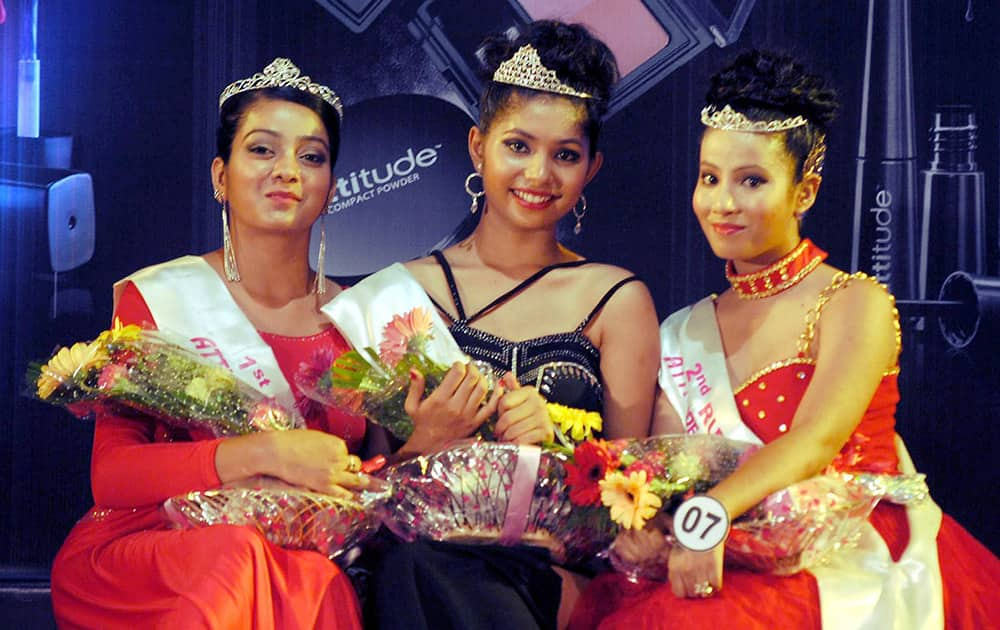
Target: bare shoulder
x=607 y=273
x=630 y=301
x=858 y=295
x=426 y=270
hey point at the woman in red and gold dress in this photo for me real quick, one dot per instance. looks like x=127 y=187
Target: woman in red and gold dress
x=801 y=358
x=253 y=306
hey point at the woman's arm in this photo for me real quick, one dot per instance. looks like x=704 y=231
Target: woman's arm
x=855 y=345
x=129 y=468
x=629 y=342
x=666 y=420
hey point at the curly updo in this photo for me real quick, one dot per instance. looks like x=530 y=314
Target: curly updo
x=766 y=86
x=579 y=59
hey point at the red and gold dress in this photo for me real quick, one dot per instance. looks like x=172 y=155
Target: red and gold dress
x=959 y=581
x=122 y=566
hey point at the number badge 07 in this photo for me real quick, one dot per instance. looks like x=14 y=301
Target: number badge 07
x=701 y=523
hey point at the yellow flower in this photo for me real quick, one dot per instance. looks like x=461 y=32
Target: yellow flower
x=577 y=423
x=686 y=467
x=120 y=334
x=198 y=389
x=630 y=499
x=68 y=363
x=220 y=378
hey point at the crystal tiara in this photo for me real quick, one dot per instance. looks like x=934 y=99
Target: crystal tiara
x=525 y=69
x=282 y=73
x=729 y=119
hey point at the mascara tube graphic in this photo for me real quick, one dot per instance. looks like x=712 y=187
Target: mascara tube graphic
x=885 y=194
x=953 y=221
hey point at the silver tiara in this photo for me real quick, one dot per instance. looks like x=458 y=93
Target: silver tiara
x=729 y=119
x=282 y=73
x=525 y=69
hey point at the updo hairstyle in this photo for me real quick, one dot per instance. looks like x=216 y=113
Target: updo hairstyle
x=766 y=86
x=579 y=59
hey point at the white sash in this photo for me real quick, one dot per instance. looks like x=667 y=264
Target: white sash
x=694 y=376
x=861 y=588
x=188 y=298
x=362 y=312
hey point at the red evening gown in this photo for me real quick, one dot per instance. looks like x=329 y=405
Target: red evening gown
x=768 y=602
x=122 y=566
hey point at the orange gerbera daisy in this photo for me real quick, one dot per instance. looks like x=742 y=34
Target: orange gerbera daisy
x=631 y=501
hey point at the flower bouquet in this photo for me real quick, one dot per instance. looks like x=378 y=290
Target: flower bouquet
x=146 y=371
x=393 y=328
x=493 y=493
x=788 y=531
x=286 y=516
x=802 y=525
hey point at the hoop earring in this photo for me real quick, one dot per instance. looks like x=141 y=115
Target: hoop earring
x=579 y=214
x=320 y=288
x=474 y=206
x=228 y=254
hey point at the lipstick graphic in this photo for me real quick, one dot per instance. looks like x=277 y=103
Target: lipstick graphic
x=885 y=194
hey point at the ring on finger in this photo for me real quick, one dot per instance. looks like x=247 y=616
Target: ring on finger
x=704 y=589
x=353 y=464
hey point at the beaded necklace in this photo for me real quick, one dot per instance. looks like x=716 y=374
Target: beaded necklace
x=779 y=275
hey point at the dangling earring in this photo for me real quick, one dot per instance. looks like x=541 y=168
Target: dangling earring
x=228 y=254
x=321 y=259
x=474 y=206
x=579 y=214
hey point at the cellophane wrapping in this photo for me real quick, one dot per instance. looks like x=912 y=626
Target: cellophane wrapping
x=795 y=528
x=288 y=517
x=393 y=328
x=462 y=494
x=149 y=372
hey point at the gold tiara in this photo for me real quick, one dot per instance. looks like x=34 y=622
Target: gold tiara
x=729 y=119
x=282 y=73
x=525 y=69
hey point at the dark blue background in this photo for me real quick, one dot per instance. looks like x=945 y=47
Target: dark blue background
x=136 y=84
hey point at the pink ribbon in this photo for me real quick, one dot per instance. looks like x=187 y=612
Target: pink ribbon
x=522 y=490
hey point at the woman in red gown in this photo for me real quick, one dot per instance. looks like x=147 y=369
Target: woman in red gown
x=254 y=305
x=801 y=358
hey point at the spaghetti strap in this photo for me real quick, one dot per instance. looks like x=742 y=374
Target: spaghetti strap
x=524 y=284
x=442 y=310
x=604 y=300
x=450 y=279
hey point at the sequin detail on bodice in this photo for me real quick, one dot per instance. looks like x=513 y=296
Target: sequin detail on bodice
x=565 y=366
x=767 y=401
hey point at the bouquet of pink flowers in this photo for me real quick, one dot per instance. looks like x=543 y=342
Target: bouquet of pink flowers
x=393 y=328
x=146 y=371
x=375 y=382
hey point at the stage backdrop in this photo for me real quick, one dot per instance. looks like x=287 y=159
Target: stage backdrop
x=135 y=85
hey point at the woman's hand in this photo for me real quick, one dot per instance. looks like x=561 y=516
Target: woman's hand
x=523 y=416
x=641 y=546
x=454 y=410
x=695 y=573
x=315 y=460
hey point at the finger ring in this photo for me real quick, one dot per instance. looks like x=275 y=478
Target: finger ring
x=353 y=463
x=704 y=589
